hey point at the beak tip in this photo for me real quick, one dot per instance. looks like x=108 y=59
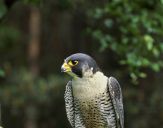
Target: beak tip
x=62 y=70
x=65 y=68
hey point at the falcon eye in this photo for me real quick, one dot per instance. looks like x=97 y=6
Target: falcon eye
x=73 y=62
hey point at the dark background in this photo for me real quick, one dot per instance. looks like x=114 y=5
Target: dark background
x=125 y=38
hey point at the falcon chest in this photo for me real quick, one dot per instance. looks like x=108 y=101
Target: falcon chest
x=88 y=92
x=87 y=88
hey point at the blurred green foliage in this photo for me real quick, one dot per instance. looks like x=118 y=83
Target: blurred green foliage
x=133 y=30
x=8 y=36
x=2 y=73
x=21 y=90
x=25 y=88
x=3 y=9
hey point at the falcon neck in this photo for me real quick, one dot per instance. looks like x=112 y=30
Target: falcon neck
x=87 y=87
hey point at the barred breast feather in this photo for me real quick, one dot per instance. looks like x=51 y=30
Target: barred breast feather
x=90 y=103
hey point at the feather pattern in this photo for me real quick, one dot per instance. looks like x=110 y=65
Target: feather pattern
x=69 y=104
x=116 y=97
x=102 y=109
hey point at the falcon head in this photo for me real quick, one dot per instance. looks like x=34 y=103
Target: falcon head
x=79 y=65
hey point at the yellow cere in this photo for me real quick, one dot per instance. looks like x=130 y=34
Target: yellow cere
x=66 y=67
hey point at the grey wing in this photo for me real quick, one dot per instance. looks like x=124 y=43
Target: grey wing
x=116 y=97
x=69 y=103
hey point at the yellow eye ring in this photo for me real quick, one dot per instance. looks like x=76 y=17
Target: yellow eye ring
x=73 y=62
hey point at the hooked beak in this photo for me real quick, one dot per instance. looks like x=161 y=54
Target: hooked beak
x=65 y=67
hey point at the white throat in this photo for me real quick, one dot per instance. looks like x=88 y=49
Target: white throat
x=89 y=86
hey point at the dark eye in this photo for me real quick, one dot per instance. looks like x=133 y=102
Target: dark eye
x=73 y=62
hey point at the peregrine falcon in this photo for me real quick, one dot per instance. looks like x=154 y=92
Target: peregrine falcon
x=92 y=99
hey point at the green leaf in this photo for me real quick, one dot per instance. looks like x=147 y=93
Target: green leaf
x=134 y=78
x=155 y=67
x=2 y=73
x=149 y=41
x=97 y=34
x=122 y=62
x=142 y=75
x=161 y=46
x=161 y=1
x=104 y=44
x=145 y=62
x=98 y=13
x=156 y=52
x=108 y=23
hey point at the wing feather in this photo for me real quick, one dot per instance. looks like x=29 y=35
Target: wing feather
x=116 y=96
x=69 y=103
